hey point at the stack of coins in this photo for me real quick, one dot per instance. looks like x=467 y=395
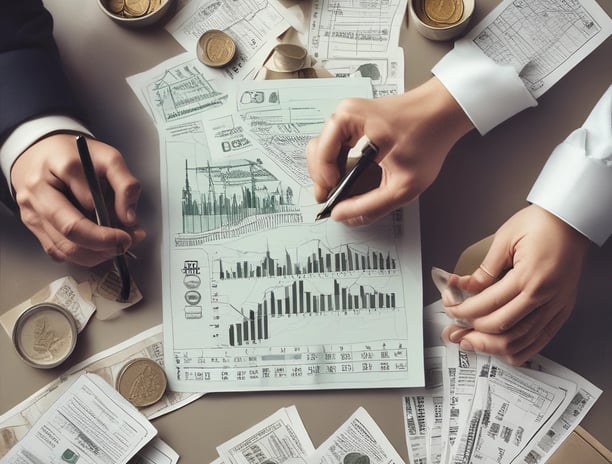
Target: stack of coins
x=142 y=382
x=215 y=48
x=133 y=8
x=441 y=13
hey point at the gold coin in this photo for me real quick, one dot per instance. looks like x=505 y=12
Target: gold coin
x=142 y=382
x=154 y=5
x=444 y=12
x=116 y=6
x=215 y=48
x=136 y=8
x=45 y=335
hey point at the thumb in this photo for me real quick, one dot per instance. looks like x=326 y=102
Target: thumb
x=497 y=260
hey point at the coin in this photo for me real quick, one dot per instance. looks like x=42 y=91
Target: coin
x=116 y=6
x=215 y=48
x=444 y=12
x=45 y=335
x=142 y=382
x=136 y=8
x=154 y=5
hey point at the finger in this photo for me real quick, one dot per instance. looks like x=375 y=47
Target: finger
x=323 y=157
x=487 y=301
x=510 y=314
x=454 y=333
x=496 y=261
x=111 y=166
x=327 y=153
x=70 y=223
x=542 y=339
x=57 y=246
x=127 y=192
x=532 y=334
x=369 y=207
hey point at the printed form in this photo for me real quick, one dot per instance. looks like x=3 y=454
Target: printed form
x=347 y=46
x=252 y=24
x=542 y=39
x=107 y=365
x=257 y=295
x=490 y=411
x=90 y=423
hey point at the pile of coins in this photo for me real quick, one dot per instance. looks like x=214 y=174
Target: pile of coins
x=441 y=13
x=133 y=8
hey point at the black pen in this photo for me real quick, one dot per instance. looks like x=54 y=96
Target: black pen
x=368 y=155
x=102 y=216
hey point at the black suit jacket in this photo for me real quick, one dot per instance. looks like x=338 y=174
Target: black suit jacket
x=32 y=81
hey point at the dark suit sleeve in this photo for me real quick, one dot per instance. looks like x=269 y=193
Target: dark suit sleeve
x=32 y=81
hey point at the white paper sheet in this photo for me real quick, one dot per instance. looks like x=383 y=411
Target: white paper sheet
x=90 y=423
x=542 y=39
x=257 y=295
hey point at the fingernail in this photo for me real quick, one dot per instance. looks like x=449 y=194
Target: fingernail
x=455 y=336
x=466 y=346
x=131 y=215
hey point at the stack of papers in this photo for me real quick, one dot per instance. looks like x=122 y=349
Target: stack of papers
x=283 y=439
x=478 y=409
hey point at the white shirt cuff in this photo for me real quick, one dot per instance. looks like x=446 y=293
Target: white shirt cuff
x=488 y=93
x=576 y=181
x=31 y=131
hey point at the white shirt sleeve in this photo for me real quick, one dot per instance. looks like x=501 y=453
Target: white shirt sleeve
x=31 y=131
x=488 y=93
x=576 y=181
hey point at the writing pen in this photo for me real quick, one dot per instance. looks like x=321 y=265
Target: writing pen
x=102 y=215
x=340 y=192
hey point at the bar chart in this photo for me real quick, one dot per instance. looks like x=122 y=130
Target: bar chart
x=320 y=260
x=299 y=299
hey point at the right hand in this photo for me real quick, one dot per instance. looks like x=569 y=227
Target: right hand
x=414 y=133
x=48 y=180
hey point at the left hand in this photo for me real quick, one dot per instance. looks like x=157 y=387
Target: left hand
x=52 y=193
x=514 y=315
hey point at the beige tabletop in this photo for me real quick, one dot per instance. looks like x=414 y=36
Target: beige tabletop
x=484 y=181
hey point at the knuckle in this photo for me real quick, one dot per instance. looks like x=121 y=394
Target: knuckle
x=133 y=188
x=54 y=252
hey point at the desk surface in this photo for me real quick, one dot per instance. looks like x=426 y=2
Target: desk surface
x=484 y=181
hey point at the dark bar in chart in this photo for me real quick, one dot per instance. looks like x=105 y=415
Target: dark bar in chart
x=345 y=259
x=251 y=329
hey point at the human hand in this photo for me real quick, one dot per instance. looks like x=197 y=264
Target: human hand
x=413 y=132
x=50 y=186
x=514 y=315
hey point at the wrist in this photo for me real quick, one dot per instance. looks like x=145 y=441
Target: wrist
x=439 y=112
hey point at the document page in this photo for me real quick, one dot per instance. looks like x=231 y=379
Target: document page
x=542 y=39
x=358 y=440
x=280 y=439
x=491 y=411
x=107 y=364
x=252 y=24
x=347 y=46
x=90 y=423
x=257 y=294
